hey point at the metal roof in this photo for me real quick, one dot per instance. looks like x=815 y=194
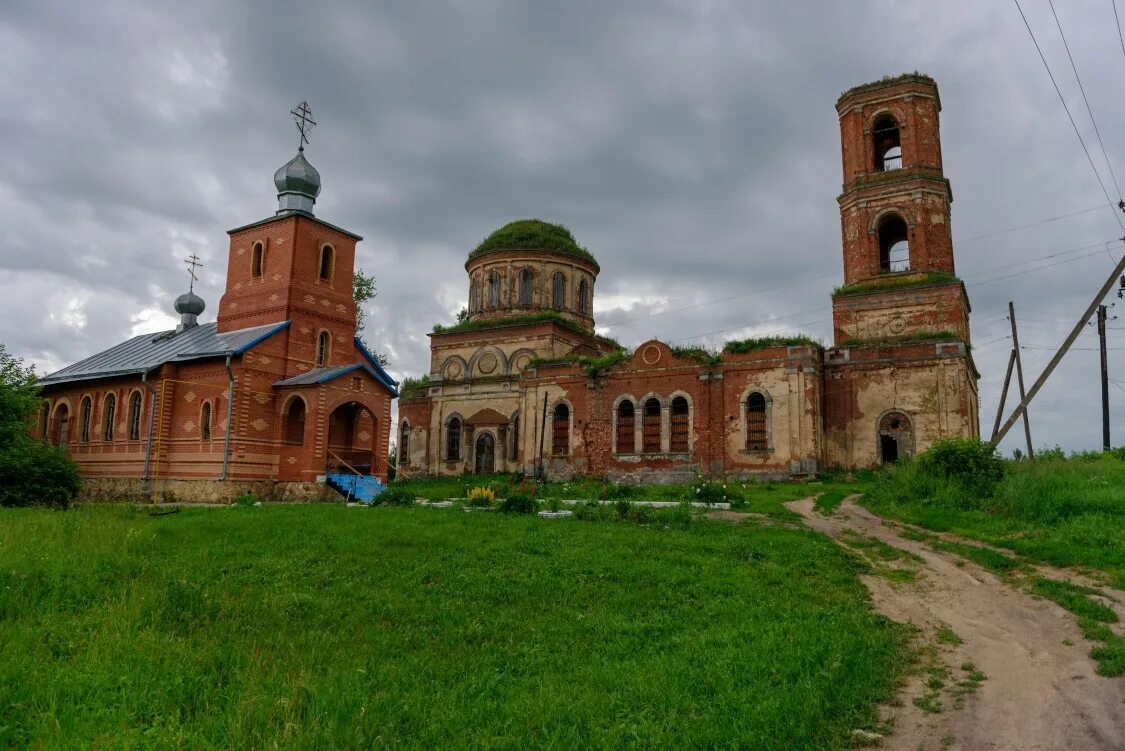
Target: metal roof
x=322 y=375
x=147 y=351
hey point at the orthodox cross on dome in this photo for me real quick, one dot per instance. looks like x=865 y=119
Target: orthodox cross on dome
x=302 y=116
x=192 y=262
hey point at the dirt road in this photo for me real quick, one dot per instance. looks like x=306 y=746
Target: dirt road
x=1039 y=688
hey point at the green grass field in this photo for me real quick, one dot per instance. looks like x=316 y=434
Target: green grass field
x=1066 y=512
x=322 y=627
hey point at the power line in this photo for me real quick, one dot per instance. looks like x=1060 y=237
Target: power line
x=1082 y=88
x=1027 y=226
x=1118 y=19
x=1069 y=116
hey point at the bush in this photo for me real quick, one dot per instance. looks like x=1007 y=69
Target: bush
x=972 y=463
x=713 y=491
x=395 y=494
x=33 y=473
x=246 y=500
x=481 y=497
x=518 y=503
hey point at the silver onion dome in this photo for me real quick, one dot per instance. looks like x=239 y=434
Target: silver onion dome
x=298 y=185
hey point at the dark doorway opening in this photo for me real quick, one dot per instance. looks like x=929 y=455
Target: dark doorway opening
x=888 y=449
x=485 y=463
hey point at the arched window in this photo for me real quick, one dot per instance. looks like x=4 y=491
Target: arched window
x=135 y=416
x=558 y=290
x=494 y=290
x=650 y=427
x=680 y=420
x=205 y=421
x=887 y=145
x=757 y=436
x=62 y=417
x=894 y=245
x=327 y=262
x=110 y=416
x=583 y=296
x=626 y=419
x=560 y=431
x=526 y=280
x=404 y=444
x=84 y=420
x=257 y=260
x=294 y=423
x=323 y=348
x=453 y=440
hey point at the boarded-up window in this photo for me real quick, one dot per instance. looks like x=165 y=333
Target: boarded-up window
x=205 y=421
x=494 y=290
x=404 y=445
x=135 y=416
x=757 y=438
x=558 y=290
x=44 y=420
x=525 y=287
x=84 y=420
x=110 y=416
x=626 y=419
x=560 y=430
x=62 y=417
x=295 y=422
x=650 y=427
x=453 y=440
x=680 y=418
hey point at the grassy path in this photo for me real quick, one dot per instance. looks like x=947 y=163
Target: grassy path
x=1000 y=668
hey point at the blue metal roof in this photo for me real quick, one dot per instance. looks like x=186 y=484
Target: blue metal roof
x=380 y=374
x=323 y=375
x=147 y=351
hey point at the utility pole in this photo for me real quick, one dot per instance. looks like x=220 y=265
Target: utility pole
x=1022 y=407
x=1004 y=392
x=1019 y=379
x=1102 y=311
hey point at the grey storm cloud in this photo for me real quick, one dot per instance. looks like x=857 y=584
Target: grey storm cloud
x=692 y=146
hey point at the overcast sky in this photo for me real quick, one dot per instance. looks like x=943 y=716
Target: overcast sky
x=692 y=146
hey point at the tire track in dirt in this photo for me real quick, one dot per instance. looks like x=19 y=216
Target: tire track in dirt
x=1040 y=688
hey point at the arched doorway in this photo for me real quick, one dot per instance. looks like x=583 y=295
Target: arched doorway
x=485 y=454
x=896 y=437
x=351 y=431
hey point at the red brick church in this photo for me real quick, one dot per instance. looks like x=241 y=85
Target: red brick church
x=273 y=397
x=525 y=385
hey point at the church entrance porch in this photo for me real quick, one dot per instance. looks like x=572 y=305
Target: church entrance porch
x=351 y=428
x=485 y=454
x=896 y=437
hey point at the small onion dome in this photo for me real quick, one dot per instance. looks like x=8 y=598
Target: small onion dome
x=189 y=304
x=298 y=185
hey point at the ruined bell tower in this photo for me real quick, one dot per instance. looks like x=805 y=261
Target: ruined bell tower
x=899 y=276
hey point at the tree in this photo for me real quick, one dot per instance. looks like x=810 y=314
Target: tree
x=31 y=471
x=364 y=291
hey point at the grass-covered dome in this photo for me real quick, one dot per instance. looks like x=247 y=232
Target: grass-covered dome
x=532 y=234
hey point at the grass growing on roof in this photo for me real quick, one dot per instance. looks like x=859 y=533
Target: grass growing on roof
x=514 y=320
x=895 y=282
x=739 y=346
x=532 y=234
x=412 y=388
x=322 y=626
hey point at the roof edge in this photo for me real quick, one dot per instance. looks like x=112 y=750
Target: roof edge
x=294 y=213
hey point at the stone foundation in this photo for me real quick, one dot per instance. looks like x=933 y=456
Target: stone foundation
x=203 y=491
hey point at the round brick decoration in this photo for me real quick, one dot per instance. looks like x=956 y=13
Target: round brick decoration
x=522 y=362
x=651 y=354
x=487 y=363
x=453 y=370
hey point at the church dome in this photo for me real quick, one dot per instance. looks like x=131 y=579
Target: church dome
x=298 y=185
x=298 y=176
x=532 y=234
x=189 y=303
